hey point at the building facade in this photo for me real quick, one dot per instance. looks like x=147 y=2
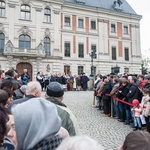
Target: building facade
x=56 y=36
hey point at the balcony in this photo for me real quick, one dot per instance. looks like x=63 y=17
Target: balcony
x=10 y=50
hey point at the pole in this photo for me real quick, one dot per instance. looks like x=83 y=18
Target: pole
x=112 y=107
x=93 y=105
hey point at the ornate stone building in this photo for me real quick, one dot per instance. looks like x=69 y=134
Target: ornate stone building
x=57 y=36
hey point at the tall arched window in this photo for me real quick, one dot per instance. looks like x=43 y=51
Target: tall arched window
x=2 y=9
x=47 y=46
x=2 y=42
x=24 y=41
x=47 y=15
x=25 y=12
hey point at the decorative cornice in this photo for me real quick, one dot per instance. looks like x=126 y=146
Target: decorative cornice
x=102 y=20
x=38 y=9
x=26 y=1
x=11 y=5
x=56 y=11
x=25 y=30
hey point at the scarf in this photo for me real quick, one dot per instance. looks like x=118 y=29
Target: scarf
x=49 y=143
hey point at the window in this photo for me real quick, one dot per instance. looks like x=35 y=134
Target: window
x=93 y=48
x=126 y=70
x=80 y=69
x=67 y=21
x=80 y=23
x=25 y=12
x=2 y=9
x=47 y=46
x=67 y=49
x=126 y=54
x=47 y=15
x=113 y=28
x=24 y=42
x=81 y=51
x=114 y=57
x=93 y=25
x=125 y=29
x=2 y=42
x=66 y=69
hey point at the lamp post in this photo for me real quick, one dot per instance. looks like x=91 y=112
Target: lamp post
x=92 y=67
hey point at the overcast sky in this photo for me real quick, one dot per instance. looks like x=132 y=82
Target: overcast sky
x=142 y=7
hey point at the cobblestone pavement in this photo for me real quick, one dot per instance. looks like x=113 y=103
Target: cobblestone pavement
x=107 y=131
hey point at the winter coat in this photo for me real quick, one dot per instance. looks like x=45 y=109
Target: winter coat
x=18 y=94
x=144 y=104
x=122 y=94
x=147 y=85
x=84 y=81
x=142 y=83
x=106 y=90
x=115 y=89
x=134 y=93
x=25 y=78
x=68 y=122
x=19 y=101
x=136 y=111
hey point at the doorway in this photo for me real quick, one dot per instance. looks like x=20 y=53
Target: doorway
x=24 y=65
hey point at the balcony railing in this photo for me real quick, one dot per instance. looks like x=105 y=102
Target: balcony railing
x=39 y=51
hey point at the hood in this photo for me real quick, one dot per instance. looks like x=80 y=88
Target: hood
x=35 y=120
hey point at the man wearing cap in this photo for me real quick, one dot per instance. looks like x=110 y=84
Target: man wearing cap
x=55 y=94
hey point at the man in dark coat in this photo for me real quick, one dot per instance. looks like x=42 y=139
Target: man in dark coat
x=106 y=99
x=33 y=90
x=134 y=92
x=84 y=81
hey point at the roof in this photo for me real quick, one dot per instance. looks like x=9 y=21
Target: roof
x=105 y=4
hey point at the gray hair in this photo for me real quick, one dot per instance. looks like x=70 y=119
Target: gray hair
x=32 y=87
x=79 y=143
x=23 y=88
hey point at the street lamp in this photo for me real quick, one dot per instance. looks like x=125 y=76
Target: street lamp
x=92 y=67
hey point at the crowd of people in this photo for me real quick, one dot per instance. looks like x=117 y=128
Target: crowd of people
x=29 y=120
x=134 y=93
x=68 y=81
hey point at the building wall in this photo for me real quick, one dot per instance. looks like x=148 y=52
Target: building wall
x=59 y=33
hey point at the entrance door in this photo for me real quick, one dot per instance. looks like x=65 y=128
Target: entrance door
x=66 y=69
x=24 y=65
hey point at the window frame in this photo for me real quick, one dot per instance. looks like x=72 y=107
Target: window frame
x=24 y=41
x=25 y=12
x=126 y=55
x=46 y=44
x=114 y=28
x=91 y=25
x=113 y=57
x=125 y=29
x=81 y=51
x=2 y=42
x=46 y=15
x=67 y=52
x=2 y=9
x=67 y=23
x=94 y=51
x=79 y=19
x=80 y=69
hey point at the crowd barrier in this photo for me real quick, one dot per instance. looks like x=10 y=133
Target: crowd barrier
x=113 y=98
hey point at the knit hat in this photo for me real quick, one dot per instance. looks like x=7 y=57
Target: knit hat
x=55 y=89
x=135 y=102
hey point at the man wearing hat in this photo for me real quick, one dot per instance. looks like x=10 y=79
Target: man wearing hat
x=55 y=94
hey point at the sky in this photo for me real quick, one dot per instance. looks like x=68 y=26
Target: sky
x=142 y=7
